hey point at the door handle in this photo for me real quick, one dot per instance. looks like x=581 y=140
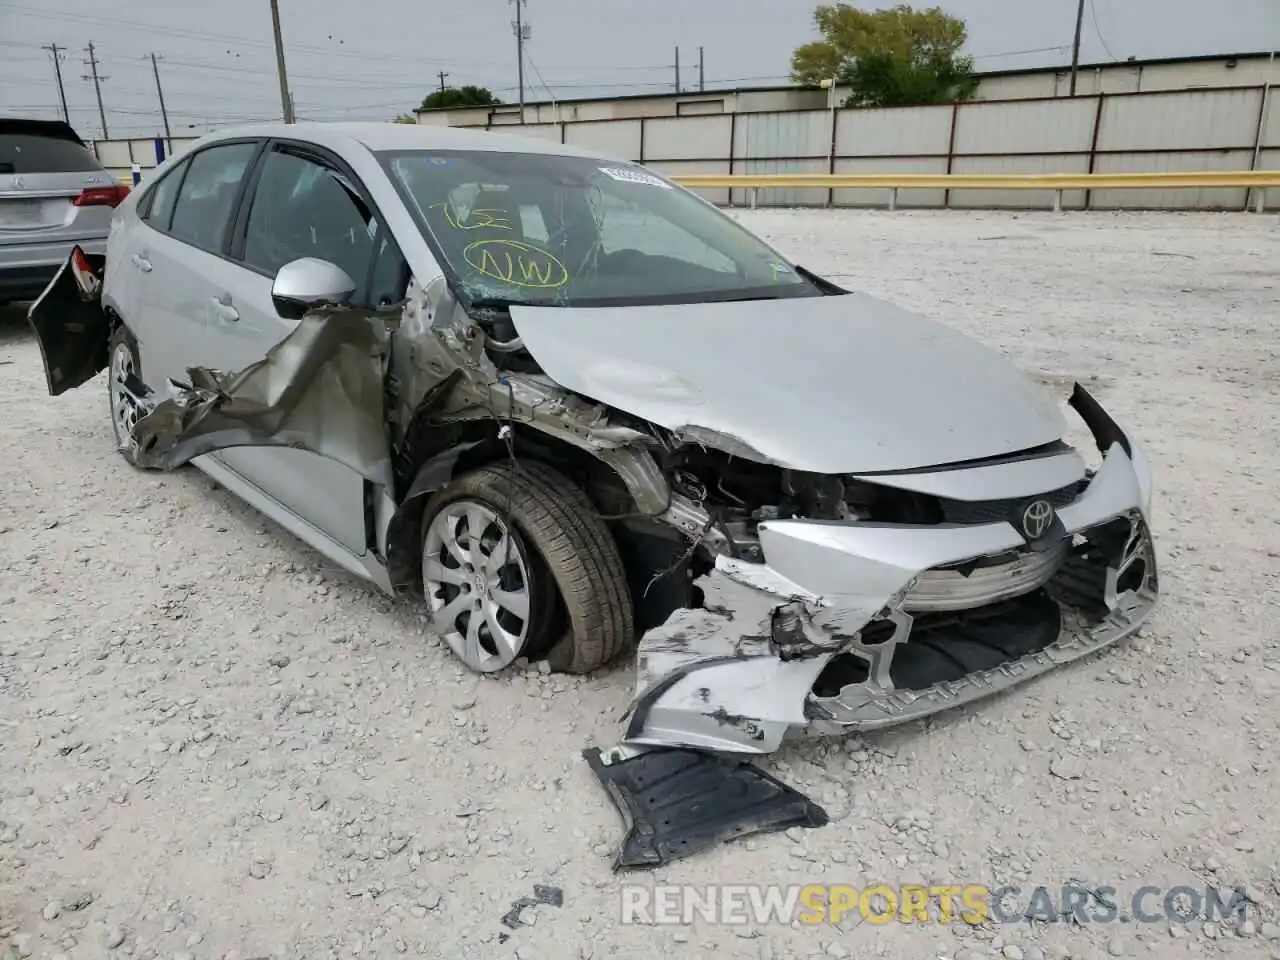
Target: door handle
x=224 y=311
x=142 y=263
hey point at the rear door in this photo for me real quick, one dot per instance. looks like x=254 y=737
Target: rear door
x=53 y=194
x=305 y=203
x=178 y=258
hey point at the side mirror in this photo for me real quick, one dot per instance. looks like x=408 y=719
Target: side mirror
x=304 y=284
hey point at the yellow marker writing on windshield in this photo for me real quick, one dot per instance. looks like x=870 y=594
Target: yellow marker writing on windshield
x=476 y=219
x=517 y=263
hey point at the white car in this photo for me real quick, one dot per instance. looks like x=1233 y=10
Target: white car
x=578 y=408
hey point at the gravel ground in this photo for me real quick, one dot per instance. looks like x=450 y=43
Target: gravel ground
x=213 y=743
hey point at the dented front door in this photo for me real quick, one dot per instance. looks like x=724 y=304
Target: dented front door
x=327 y=494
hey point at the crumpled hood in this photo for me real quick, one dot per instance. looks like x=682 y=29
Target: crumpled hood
x=835 y=384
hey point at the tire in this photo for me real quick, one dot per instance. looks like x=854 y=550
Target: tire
x=121 y=347
x=580 y=609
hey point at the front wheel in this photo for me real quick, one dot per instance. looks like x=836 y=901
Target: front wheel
x=122 y=363
x=516 y=563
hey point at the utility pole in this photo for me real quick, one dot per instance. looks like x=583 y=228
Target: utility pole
x=702 y=77
x=522 y=32
x=92 y=63
x=54 y=49
x=160 y=93
x=286 y=101
x=442 y=75
x=1075 y=46
x=677 y=68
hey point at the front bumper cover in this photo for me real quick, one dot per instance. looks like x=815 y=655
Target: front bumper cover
x=742 y=673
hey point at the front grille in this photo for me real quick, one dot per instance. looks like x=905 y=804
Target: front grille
x=993 y=511
x=965 y=586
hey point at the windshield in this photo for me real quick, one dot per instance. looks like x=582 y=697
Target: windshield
x=526 y=228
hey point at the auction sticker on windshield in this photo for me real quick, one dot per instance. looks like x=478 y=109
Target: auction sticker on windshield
x=634 y=176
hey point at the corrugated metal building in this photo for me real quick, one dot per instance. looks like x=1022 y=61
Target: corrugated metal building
x=1134 y=76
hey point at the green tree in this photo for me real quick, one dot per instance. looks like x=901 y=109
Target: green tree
x=406 y=118
x=468 y=96
x=894 y=57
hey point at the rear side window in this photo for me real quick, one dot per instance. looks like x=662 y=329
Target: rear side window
x=202 y=211
x=158 y=203
x=32 y=153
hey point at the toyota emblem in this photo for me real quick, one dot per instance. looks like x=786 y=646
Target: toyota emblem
x=1036 y=518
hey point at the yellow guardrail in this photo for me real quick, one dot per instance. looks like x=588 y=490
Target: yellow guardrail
x=983 y=181
x=1255 y=180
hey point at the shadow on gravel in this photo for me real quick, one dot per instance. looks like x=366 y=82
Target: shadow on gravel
x=13 y=323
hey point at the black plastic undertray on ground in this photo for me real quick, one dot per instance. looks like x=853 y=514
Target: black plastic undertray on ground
x=675 y=803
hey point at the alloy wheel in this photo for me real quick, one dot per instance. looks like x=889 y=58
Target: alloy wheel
x=124 y=412
x=476 y=578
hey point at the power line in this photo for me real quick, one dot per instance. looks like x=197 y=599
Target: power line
x=1060 y=48
x=442 y=76
x=1093 y=15
x=326 y=80
x=203 y=36
x=538 y=73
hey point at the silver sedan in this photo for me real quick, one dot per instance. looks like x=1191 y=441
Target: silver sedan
x=577 y=409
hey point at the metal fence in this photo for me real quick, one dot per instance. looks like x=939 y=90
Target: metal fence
x=1221 y=129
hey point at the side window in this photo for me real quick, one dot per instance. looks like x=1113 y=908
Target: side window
x=208 y=193
x=157 y=205
x=389 y=279
x=303 y=208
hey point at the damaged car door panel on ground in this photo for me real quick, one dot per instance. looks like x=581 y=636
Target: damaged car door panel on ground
x=580 y=411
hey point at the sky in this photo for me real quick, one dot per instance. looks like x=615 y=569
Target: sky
x=373 y=59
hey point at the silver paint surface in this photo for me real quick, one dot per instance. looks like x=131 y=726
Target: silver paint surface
x=839 y=384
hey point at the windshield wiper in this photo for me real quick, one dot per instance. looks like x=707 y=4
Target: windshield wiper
x=503 y=303
x=824 y=285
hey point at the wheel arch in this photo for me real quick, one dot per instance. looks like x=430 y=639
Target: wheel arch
x=446 y=451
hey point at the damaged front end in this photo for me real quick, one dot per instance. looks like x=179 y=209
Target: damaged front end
x=895 y=605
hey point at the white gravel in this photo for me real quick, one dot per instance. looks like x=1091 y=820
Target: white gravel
x=213 y=743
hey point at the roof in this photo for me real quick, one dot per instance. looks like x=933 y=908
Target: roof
x=401 y=136
x=1134 y=63
x=775 y=88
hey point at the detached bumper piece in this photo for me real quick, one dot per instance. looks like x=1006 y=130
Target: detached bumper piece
x=675 y=803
